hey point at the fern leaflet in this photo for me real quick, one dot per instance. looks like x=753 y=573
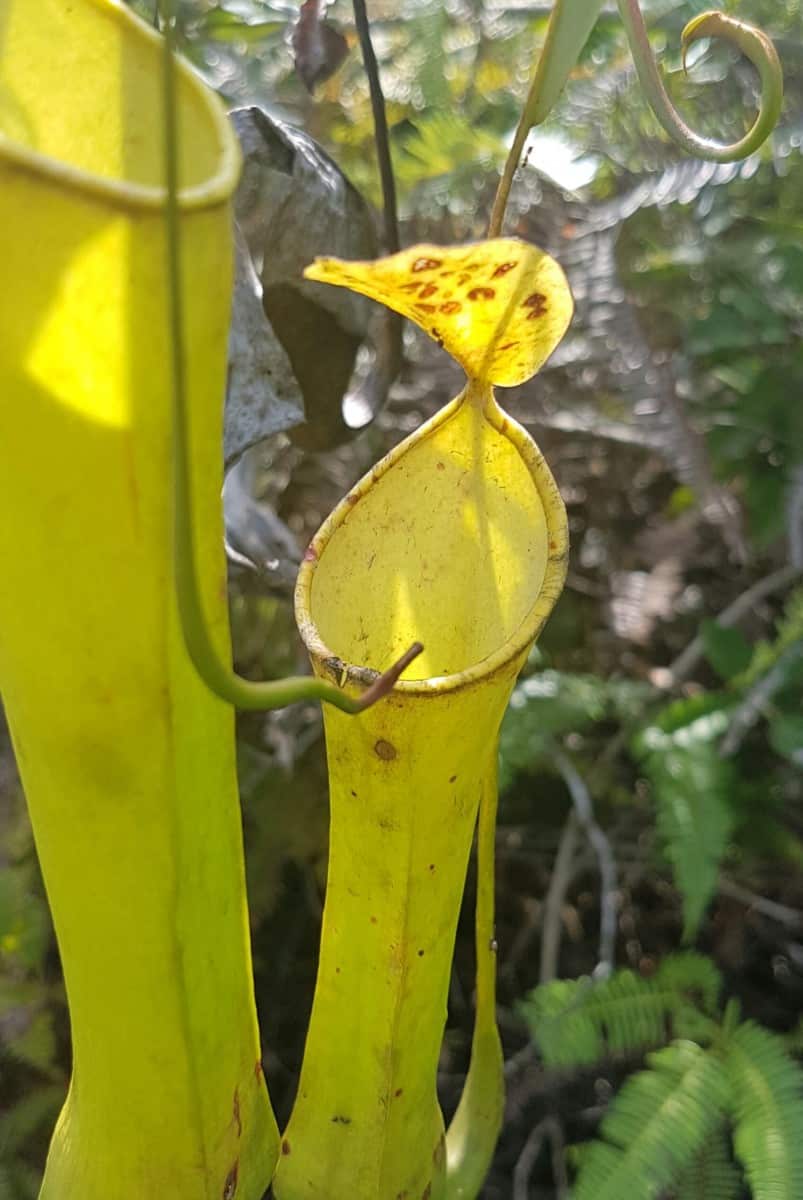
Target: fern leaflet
x=766 y=1088
x=692 y=785
x=658 y=1122
x=575 y=1022
x=712 y=1175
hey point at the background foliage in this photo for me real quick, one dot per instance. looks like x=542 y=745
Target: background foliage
x=651 y=757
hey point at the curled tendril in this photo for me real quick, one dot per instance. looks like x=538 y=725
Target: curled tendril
x=754 y=44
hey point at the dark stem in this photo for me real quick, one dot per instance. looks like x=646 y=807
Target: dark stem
x=389 y=207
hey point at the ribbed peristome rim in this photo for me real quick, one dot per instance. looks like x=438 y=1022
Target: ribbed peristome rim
x=530 y=627
x=119 y=193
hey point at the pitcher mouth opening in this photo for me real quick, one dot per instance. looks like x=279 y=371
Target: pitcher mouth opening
x=114 y=157
x=513 y=641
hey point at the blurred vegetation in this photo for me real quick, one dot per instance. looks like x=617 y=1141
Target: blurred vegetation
x=666 y=697
x=716 y=1080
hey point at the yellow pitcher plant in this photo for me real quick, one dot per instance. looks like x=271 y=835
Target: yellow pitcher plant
x=126 y=757
x=457 y=538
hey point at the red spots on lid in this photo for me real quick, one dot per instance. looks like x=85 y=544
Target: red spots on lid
x=425 y=308
x=481 y=293
x=503 y=269
x=450 y=307
x=310 y=554
x=538 y=303
x=429 y=290
x=426 y=264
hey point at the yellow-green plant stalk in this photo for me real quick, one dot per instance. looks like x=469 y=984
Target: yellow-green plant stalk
x=458 y=539
x=127 y=758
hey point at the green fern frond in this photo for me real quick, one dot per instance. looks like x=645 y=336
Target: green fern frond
x=434 y=146
x=766 y=1089
x=693 y=976
x=692 y=785
x=560 y=1025
x=575 y=1022
x=712 y=1175
x=657 y=1124
x=427 y=45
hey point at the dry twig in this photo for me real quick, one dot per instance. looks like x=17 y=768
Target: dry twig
x=559 y=881
x=584 y=814
x=744 y=604
x=549 y=1127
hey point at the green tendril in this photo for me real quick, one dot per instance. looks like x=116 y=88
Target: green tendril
x=754 y=44
x=217 y=675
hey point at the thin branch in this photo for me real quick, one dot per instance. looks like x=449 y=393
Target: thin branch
x=381 y=137
x=560 y=1175
x=756 y=700
x=502 y=196
x=744 y=604
x=584 y=812
x=519 y=1061
x=550 y=1128
x=561 y=877
x=791 y=918
x=570 y=23
x=794 y=518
